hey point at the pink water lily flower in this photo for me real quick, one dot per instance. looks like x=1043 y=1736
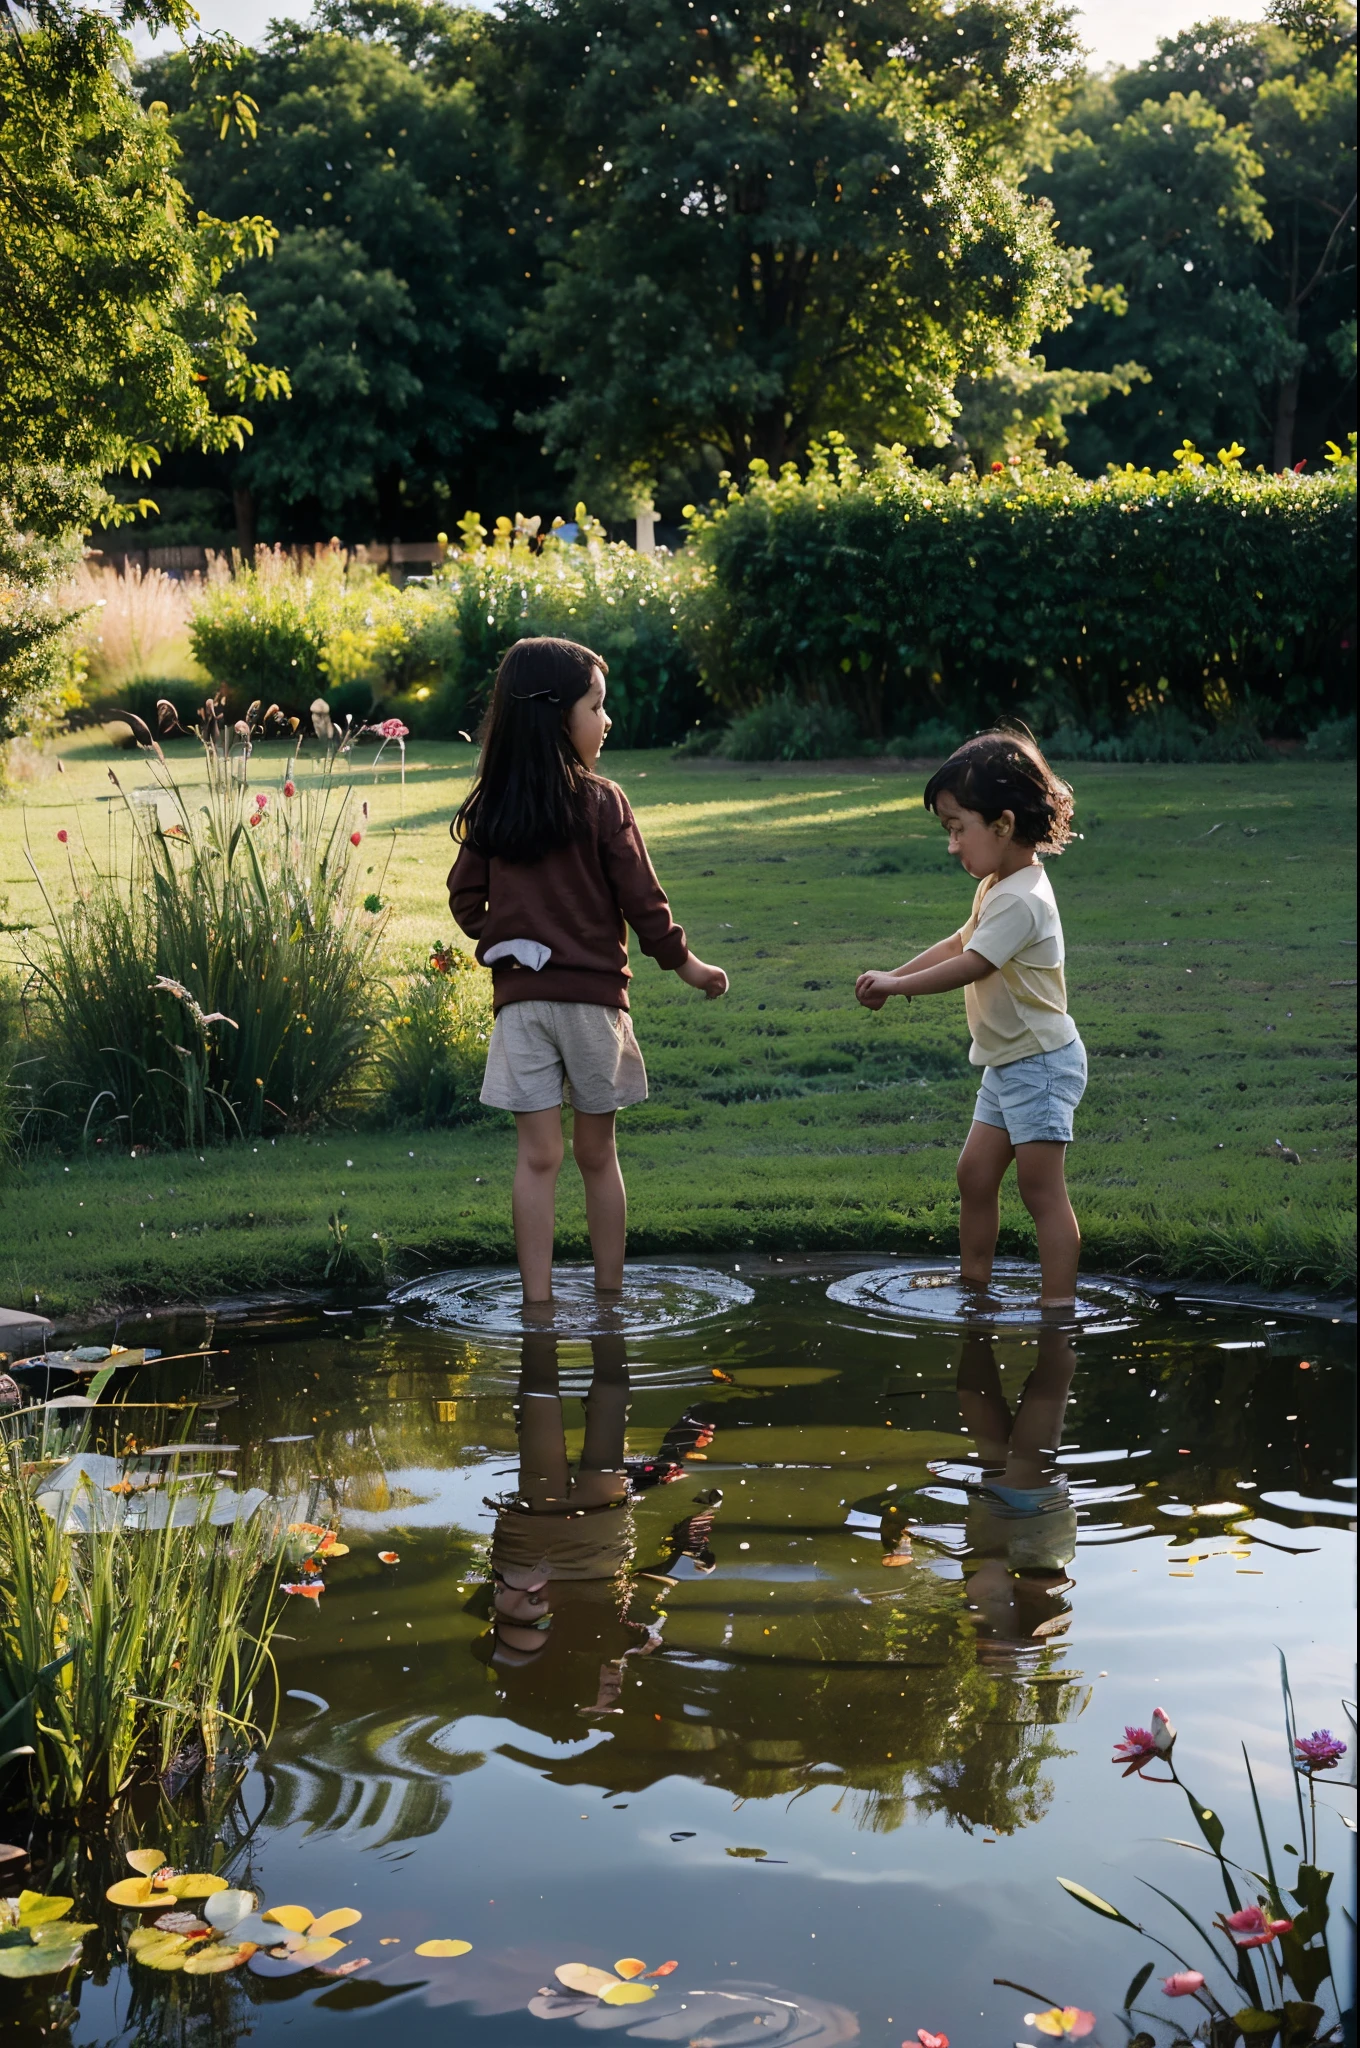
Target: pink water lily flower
x=1144 y=1745
x=1183 y=1983
x=1320 y=1751
x=1163 y=1734
x=1064 y=2022
x=928 y=2040
x=1250 y=1927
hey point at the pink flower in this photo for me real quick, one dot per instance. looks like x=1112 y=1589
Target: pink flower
x=1183 y=1984
x=1144 y=1745
x=392 y=729
x=63 y=835
x=929 y=2040
x=1320 y=1751
x=1064 y=2022
x=261 y=801
x=1249 y=1928
x=356 y=838
x=290 y=789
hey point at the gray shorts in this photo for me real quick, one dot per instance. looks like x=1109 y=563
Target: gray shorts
x=1033 y=1100
x=545 y=1054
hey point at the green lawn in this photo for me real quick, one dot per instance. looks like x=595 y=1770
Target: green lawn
x=1211 y=967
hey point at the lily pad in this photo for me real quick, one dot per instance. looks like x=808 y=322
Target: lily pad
x=582 y=1977
x=225 y=1908
x=211 y=1960
x=631 y=1966
x=297 y=1918
x=39 y=1959
x=627 y=1994
x=134 y=1891
x=332 y=1922
x=445 y=1948
x=146 y=1861
x=195 y=1884
x=37 y=1909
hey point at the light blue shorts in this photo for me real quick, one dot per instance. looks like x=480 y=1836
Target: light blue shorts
x=1033 y=1100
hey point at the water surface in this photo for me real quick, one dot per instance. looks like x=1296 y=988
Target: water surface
x=819 y=1607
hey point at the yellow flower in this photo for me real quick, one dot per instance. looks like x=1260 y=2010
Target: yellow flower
x=1231 y=458
x=1187 y=455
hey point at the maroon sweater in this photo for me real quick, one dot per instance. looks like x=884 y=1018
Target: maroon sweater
x=577 y=901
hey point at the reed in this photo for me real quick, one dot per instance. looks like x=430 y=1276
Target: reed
x=134 y=622
x=123 y=1649
x=212 y=974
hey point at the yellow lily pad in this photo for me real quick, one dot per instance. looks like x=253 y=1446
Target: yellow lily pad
x=331 y=1923
x=144 y=1937
x=146 y=1861
x=310 y=1951
x=443 y=1948
x=583 y=1977
x=628 y=1994
x=37 y=1909
x=631 y=1966
x=195 y=1884
x=297 y=1918
x=167 y=1952
x=134 y=1891
x=218 y=1956
x=334 y=1550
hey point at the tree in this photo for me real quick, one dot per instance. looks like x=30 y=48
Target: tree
x=762 y=223
x=1215 y=185
x=117 y=337
x=395 y=280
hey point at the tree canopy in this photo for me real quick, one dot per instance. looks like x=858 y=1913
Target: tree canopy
x=1215 y=185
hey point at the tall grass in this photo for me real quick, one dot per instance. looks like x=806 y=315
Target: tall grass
x=134 y=623
x=121 y=1647
x=215 y=974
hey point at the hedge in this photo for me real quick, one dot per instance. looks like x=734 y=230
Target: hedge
x=908 y=595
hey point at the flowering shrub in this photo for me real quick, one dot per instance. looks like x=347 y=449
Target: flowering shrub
x=904 y=594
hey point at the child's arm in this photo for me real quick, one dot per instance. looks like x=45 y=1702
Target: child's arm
x=711 y=980
x=943 y=967
x=643 y=902
x=468 y=882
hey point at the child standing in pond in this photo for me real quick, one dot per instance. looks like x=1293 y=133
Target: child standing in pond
x=1003 y=808
x=550 y=872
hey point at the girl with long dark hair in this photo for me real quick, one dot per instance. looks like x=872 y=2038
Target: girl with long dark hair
x=551 y=870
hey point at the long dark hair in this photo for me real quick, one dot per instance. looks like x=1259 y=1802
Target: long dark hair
x=1004 y=771
x=532 y=788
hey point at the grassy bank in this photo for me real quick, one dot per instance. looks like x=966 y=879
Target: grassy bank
x=1211 y=936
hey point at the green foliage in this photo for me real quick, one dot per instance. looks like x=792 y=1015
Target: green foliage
x=1333 y=740
x=291 y=631
x=784 y=728
x=1207 y=591
x=394 y=281
x=433 y=1049
x=1215 y=185
x=763 y=224
x=117 y=337
x=119 y=1643
x=38 y=670
x=216 y=977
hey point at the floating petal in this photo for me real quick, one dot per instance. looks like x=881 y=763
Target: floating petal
x=331 y=1923
x=298 y=1918
x=445 y=1948
x=628 y=1994
x=631 y=1966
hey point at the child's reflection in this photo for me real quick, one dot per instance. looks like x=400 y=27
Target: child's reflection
x=1021 y=1527
x=564 y=1541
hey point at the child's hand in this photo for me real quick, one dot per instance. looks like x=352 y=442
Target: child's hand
x=873 y=990
x=698 y=974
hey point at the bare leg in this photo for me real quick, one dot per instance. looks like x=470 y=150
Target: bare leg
x=592 y=1142
x=1039 y=1169
x=982 y=1404
x=1037 y=1430
x=982 y=1166
x=533 y=1202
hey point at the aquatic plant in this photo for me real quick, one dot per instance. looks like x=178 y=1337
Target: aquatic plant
x=132 y=1644
x=1277 y=1957
x=212 y=973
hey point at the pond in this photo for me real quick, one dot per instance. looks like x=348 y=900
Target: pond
x=819 y=1601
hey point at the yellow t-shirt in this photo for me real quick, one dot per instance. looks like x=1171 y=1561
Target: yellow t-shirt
x=1022 y=1008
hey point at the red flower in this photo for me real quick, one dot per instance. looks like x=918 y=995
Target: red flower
x=1250 y=1927
x=356 y=838
x=290 y=789
x=997 y=468
x=63 y=835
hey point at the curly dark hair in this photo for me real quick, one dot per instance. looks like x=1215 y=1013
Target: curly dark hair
x=1001 y=771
